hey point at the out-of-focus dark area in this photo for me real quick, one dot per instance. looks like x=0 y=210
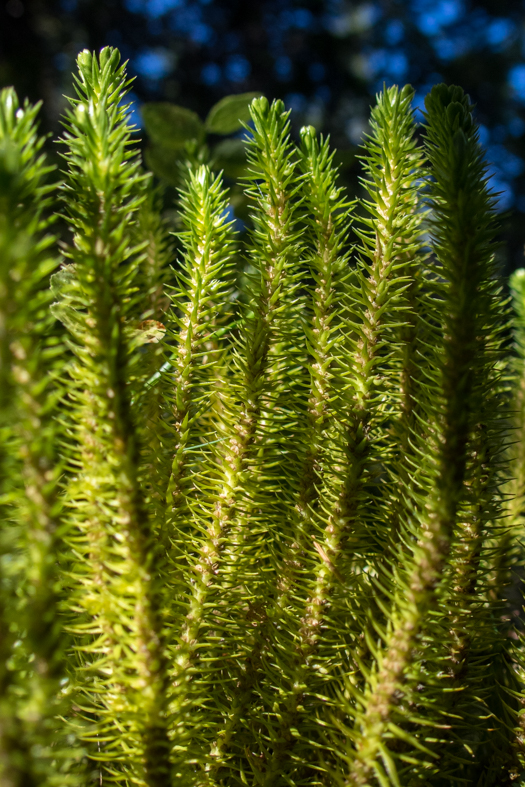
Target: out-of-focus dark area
x=325 y=58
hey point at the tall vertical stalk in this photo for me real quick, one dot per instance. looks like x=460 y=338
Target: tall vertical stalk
x=29 y=463
x=116 y=601
x=252 y=386
x=463 y=229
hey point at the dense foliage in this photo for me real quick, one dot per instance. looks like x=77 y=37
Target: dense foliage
x=262 y=491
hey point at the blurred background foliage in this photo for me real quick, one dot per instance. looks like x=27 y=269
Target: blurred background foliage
x=324 y=58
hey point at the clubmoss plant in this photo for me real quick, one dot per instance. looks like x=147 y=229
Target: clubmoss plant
x=34 y=671
x=262 y=491
x=116 y=569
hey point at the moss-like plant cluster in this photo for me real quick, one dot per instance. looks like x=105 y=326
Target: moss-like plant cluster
x=262 y=492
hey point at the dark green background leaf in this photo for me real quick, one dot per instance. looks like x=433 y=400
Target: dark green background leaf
x=164 y=163
x=230 y=156
x=170 y=125
x=230 y=113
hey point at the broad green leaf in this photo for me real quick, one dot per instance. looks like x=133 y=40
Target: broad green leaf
x=165 y=163
x=230 y=113
x=230 y=157
x=171 y=126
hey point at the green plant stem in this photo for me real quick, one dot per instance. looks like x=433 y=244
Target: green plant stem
x=208 y=243
x=461 y=203
x=118 y=578
x=274 y=256
x=28 y=403
x=392 y=189
x=155 y=440
x=327 y=261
